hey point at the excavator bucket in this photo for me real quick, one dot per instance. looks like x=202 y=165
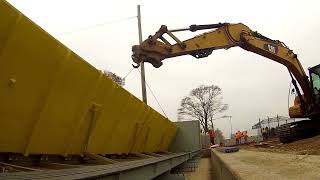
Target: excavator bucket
x=138 y=56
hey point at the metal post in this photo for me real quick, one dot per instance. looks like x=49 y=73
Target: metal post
x=143 y=79
x=260 y=130
x=278 y=120
x=230 y=127
x=269 y=130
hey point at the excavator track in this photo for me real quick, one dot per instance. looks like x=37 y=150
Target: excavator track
x=298 y=130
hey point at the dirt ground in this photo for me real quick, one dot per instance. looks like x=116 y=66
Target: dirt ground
x=310 y=146
x=202 y=172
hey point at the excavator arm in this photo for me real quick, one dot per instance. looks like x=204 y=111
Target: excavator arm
x=223 y=36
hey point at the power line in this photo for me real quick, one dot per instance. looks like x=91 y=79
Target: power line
x=155 y=97
x=128 y=73
x=98 y=25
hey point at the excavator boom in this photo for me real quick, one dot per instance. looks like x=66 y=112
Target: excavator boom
x=224 y=36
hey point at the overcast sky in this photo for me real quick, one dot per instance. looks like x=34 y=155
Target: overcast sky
x=253 y=86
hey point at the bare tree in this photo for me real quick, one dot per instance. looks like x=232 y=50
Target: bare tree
x=203 y=103
x=114 y=77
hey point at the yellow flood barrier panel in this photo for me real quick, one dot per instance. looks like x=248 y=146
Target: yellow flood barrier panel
x=54 y=102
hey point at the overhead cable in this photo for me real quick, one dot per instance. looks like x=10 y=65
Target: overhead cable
x=154 y=97
x=97 y=25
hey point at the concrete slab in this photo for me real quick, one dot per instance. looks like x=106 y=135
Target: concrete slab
x=262 y=165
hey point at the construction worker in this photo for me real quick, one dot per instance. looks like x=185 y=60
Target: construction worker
x=245 y=136
x=238 y=137
x=211 y=135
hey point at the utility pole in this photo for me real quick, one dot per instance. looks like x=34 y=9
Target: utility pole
x=230 y=126
x=143 y=79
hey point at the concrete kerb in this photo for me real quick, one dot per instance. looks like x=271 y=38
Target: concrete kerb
x=221 y=170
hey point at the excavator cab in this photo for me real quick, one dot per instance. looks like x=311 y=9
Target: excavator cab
x=296 y=110
x=314 y=73
x=307 y=128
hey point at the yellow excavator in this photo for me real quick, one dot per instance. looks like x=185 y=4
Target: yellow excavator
x=224 y=36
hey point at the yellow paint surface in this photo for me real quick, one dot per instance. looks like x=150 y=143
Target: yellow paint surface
x=54 y=102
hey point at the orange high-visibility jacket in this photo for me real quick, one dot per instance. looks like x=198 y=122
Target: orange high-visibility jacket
x=238 y=135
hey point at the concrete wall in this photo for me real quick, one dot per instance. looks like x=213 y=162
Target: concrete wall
x=187 y=137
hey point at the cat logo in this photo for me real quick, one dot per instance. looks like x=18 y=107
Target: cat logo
x=271 y=48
